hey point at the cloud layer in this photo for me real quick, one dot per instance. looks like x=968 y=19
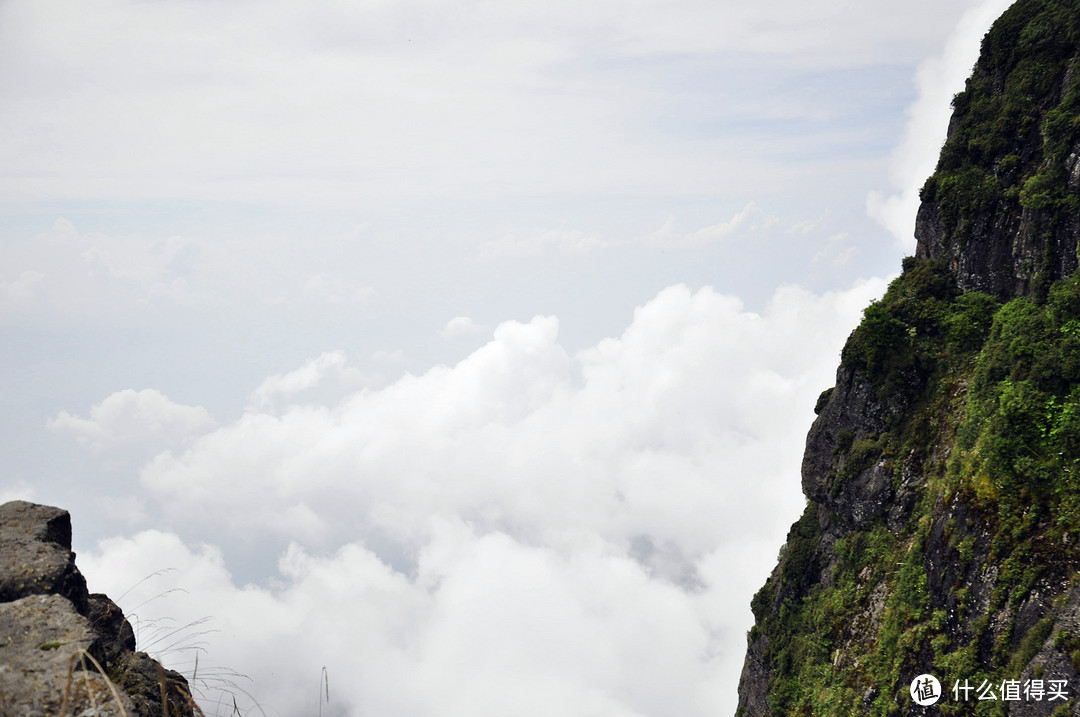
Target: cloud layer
x=341 y=103
x=130 y=417
x=526 y=531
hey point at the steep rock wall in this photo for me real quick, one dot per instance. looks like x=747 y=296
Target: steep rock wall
x=942 y=528
x=1001 y=207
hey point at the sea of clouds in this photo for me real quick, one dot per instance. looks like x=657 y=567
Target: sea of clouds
x=529 y=530
x=526 y=532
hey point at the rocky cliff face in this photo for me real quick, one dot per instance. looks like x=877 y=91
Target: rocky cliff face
x=63 y=650
x=942 y=529
x=1002 y=206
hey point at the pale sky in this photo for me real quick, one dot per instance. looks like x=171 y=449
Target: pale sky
x=466 y=349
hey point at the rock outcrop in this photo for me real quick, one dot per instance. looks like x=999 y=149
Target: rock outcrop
x=63 y=650
x=1002 y=206
x=942 y=529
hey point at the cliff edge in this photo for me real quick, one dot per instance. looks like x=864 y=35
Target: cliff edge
x=64 y=650
x=941 y=534
x=1001 y=208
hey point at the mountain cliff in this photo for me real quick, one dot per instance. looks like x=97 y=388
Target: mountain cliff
x=64 y=650
x=941 y=534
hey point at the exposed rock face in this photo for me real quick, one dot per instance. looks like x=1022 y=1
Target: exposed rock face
x=998 y=209
x=942 y=530
x=36 y=544
x=1007 y=250
x=851 y=413
x=52 y=630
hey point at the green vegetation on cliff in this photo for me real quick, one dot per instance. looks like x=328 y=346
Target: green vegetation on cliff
x=942 y=532
x=993 y=418
x=1014 y=124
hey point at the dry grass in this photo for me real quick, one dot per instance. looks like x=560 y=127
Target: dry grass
x=325 y=679
x=72 y=682
x=81 y=656
x=165 y=640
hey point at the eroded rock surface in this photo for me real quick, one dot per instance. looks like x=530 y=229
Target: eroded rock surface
x=64 y=651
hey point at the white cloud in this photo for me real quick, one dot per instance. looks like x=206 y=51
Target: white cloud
x=666 y=237
x=807 y=226
x=938 y=79
x=20 y=290
x=71 y=273
x=539 y=241
x=145 y=418
x=835 y=251
x=570 y=242
x=313 y=373
x=307 y=376
x=488 y=625
x=525 y=531
x=338 y=104
x=391 y=359
x=460 y=326
x=67 y=272
x=334 y=290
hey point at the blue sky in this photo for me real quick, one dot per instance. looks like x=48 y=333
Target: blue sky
x=466 y=349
